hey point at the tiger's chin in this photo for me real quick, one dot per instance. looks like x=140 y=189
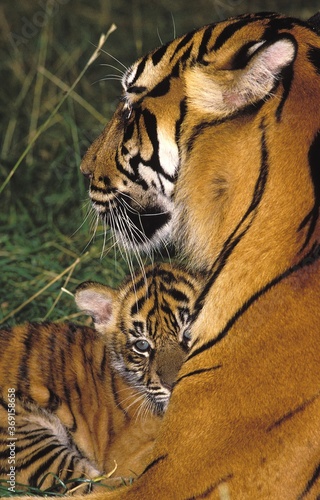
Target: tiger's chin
x=157 y=406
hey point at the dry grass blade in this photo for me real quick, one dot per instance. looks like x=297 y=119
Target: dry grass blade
x=103 y=39
x=59 y=83
x=69 y=270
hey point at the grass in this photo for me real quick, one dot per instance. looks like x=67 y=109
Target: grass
x=22 y=262
x=59 y=488
x=43 y=238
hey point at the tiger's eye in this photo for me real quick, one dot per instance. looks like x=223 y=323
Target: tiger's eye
x=142 y=346
x=187 y=336
x=127 y=112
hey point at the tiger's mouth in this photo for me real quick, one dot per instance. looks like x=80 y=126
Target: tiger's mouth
x=135 y=226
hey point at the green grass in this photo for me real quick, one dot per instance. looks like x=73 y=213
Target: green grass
x=59 y=488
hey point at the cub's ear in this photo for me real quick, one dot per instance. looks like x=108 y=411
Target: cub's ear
x=99 y=301
x=249 y=76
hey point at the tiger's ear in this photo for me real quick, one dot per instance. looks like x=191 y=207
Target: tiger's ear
x=248 y=77
x=99 y=301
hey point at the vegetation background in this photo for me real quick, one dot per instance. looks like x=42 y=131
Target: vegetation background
x=45 y=239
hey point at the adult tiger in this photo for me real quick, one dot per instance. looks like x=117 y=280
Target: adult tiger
x=217 y=136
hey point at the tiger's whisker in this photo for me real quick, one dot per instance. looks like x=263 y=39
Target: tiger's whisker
x=121 y=71
x=114 y=58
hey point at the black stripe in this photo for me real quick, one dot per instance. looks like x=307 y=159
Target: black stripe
x=117 y=400
x=286 y=78
x=129 y=128
x=135 y=287
x=312 y=481
x=183 y=111
x=153 y=162
x=54 y=400
x=150 y=122
x=41 y=453
x=314 y=57
x=134 y=177
x=31 y=438
x=292 y=413
x=136 y=89
x=46 y=465
x=179 y=276
x=23 y=373
x=251 y=109
x=197 y=372
x=229 y=31
x=70 y=334
x=158 y=54
x=161 y=88
x=68 y=469
x=185 y=56
x=103 y=364
x=307 y=260
x=315 y=22
x=241 y=229
x=277 y=24
x=175 y=70
x=183 y=42
x=139 y=70
x=63 y=466
x=312 y=217
x=176 y=294
x=138 y=328
x=66 y=390
x=95 y=189
x=242 y=57
x=203 y=47
x=155 y=462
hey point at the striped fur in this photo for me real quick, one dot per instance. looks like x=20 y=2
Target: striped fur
x=216 y=145
x=74 y=400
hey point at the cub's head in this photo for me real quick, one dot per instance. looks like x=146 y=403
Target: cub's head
x=146 y=325
x=257 y=70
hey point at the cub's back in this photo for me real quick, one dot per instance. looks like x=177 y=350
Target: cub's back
x=40 y=359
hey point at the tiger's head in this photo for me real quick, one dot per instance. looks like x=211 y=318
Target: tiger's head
x=206 y=102
x=146 y=324
x=133 y=164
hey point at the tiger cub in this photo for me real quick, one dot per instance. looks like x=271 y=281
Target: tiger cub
x=76 y=400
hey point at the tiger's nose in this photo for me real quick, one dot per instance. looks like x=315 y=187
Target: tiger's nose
x=87 y=166
x=87 y=175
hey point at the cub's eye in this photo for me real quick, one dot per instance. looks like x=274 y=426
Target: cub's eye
x=141 y=346
x=186 y=337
